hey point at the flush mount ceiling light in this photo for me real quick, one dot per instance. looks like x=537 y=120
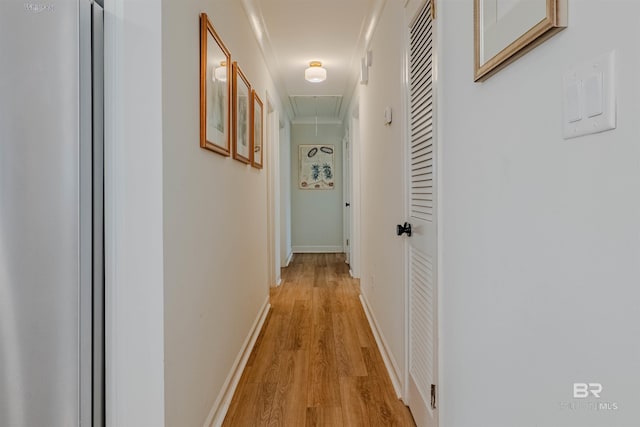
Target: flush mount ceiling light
x=315 y=73
x=220 y=73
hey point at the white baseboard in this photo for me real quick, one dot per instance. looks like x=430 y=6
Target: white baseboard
x=289 y=258
x=387 y=356
x=317 y=249
x=221 y=405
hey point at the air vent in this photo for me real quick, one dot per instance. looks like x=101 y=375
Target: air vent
x=325 y=107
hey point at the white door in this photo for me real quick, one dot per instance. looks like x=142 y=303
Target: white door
x=347 y=197
x=422 y=253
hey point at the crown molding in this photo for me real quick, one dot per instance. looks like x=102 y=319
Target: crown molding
x=367 y=31
x=256 y=21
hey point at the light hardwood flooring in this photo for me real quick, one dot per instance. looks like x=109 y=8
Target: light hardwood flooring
x=316 y=362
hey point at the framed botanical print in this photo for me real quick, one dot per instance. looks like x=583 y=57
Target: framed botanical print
x=215 y=90
x=257 y=130
x=315 y=170
x=241 y=115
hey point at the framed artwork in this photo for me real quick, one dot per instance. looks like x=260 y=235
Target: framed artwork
x=241 y=115
x=215 y=90
x=315 y=167
x=257 y=131
x=504 y=30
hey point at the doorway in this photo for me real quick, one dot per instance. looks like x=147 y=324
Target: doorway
x=317 y=201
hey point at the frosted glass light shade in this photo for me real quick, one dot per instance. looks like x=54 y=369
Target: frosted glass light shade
x=315 y=73
x=220 y=73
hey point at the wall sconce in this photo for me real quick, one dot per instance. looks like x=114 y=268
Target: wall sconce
x=315 y=73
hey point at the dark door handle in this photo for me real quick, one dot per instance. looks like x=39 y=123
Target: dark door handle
x=347 y=204
x=401 y=229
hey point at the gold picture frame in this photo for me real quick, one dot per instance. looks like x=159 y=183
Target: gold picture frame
x=215 y=90
x=241 y=115
x=504 y=30
x=257 y=130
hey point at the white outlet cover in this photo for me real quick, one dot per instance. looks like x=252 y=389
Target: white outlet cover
x=596 y=97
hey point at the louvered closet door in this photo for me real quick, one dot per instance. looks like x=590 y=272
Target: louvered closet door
x=422 y=208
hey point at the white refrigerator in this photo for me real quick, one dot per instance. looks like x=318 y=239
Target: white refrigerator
x=51 y=214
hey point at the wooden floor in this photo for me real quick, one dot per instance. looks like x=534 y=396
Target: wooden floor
x=315 y=362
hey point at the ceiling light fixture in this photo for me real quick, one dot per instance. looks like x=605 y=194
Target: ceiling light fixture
x=315 y=73
x=220 y=73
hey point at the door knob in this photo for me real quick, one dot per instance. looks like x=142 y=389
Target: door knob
x=401 y=229
x=347 y=204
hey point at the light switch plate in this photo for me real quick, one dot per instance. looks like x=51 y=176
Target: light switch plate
x=592 y=87
x=573 y=111
x=594 y=102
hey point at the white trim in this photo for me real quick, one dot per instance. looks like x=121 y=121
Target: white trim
x=412 y=10
x=113 y=34
x=289 y=258
x=134 y=274
x=261 y=35
x=410 y=16
x=387 y=356
x=273 y=191
x=346 y=196
x=253 y=10
x=285 y=194
x=221 y=405
x=356 y=211
x=439 y=75
x=317 y=249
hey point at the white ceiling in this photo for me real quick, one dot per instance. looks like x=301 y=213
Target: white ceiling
x=294 y=32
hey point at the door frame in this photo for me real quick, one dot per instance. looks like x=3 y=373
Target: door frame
x=346 y=195
x=273 y=193
x=412 y=10
x=354 y=181
x=134 y=262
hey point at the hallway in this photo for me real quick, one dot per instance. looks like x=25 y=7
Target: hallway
x=316 y=362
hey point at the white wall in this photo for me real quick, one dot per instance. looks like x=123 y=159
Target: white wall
x=383 y=183
x=316 y=215
x=133 y=214
x=541 y=235
x=215 y=219
x=285 y=193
